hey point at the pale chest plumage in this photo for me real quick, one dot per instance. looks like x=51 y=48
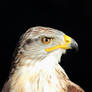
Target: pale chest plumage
x=43 y=76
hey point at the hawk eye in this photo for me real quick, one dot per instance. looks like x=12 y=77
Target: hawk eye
x=46 y=40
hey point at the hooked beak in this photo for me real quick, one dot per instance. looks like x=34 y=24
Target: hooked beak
x=74 y=45
x=69 y=44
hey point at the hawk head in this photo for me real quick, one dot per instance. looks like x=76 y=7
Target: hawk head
x=36 y=65
x=39 y=42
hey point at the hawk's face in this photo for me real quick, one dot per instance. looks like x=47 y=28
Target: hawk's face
x=38 y=42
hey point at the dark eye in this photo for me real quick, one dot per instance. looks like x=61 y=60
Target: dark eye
x=46 y=40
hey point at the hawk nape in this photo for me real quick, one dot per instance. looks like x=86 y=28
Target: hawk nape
x=36 y=65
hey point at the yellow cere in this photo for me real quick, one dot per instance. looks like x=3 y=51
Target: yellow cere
x=67 y=40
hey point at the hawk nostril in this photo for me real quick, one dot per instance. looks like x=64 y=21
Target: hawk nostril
x=67 y=38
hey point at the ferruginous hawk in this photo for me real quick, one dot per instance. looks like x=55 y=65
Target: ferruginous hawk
x=36 y=65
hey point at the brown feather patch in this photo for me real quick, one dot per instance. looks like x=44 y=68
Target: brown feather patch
x=72 y=88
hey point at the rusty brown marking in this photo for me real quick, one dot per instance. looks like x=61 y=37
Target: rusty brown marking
x=49 y=82
x=38 y=86
x=64 y=89
x=73 y=89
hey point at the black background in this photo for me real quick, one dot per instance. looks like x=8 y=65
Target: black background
x=71 y=16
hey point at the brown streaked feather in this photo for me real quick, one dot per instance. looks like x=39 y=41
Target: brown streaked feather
x=72 y=87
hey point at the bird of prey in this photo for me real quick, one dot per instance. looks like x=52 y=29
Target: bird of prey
x=36 y=64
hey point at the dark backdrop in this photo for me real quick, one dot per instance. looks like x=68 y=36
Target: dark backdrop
x=71 y=16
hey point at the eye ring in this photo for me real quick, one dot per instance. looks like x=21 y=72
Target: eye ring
x=46 y=40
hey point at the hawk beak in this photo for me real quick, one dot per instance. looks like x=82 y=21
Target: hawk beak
x=69 y=44
x=74 y=45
